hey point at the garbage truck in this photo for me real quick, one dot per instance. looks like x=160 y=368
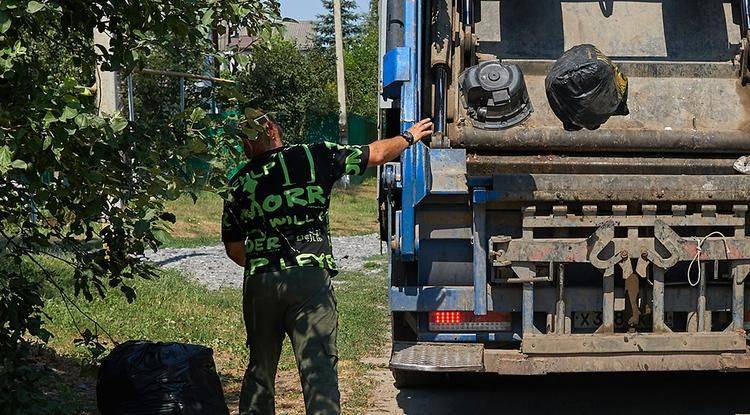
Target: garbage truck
x=519 y=248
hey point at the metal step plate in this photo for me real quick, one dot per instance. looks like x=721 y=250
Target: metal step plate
x=437 y=357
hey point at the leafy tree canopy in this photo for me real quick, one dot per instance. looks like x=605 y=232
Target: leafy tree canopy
x=350 y=28
x=298 y=85
x=89 y=189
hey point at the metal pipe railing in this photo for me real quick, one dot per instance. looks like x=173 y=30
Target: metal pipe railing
x=602 y=140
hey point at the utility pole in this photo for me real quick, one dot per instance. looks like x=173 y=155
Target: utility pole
x=340 y=78
x=107 y=91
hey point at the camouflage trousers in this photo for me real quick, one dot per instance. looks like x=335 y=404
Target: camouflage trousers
x=298 y=302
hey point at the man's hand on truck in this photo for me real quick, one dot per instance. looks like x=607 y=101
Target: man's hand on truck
x=383 y=151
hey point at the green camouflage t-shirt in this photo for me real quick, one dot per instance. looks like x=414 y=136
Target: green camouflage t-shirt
x=279 y=204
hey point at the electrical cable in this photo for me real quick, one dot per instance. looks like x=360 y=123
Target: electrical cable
x=697 y=257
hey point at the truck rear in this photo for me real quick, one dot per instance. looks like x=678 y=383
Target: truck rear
x=517 y=247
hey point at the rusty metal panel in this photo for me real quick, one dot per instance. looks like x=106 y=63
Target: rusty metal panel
x=445 y=221
x=623 y=140
x=578 y=250
x=522 y=187
x=634 y=343
x=489 y=165
x=512 y=362
x=509 y=298
x=678 y=55
x=680 y=30
x=448 y=171
x=633 y=220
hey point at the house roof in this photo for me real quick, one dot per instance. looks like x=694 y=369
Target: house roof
x=300 y=32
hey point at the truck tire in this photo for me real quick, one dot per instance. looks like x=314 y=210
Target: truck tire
x=409 y=379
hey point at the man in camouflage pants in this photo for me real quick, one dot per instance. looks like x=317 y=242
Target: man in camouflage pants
x=275 y=225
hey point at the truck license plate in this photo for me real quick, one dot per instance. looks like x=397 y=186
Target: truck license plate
x=588 y=320
x=583 y=320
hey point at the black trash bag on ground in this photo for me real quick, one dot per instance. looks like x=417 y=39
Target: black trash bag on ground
x=141 y=377
x=585 y=88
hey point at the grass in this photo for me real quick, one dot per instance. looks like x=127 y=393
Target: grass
x=173 y=308
x=198 y=223
x=353 y=211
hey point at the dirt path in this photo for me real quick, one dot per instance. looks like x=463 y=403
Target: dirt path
x=384 y=394
x=644 y=393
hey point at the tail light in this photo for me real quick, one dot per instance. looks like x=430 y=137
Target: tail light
x=468 y=321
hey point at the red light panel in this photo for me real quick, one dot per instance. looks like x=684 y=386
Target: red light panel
x=467 y=321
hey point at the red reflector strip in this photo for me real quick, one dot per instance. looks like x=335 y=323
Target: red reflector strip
x=467 y=321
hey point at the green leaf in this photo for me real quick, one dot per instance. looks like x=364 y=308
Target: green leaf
x=5 y=159
x=49 y=118
x=82 y=120
x=208 y=17
x=19 y=164
x=34 y=6
x=68 y=113
x=47 y=142
x=4 y=22
x=161 y=235
x=119 y=124
x=242 y=60
x=197 y=115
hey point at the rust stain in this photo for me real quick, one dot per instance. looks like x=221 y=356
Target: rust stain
x=744 y=95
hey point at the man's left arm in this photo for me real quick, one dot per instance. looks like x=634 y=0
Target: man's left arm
x=236 y=252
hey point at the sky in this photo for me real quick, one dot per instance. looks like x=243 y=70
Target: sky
x=308 y=9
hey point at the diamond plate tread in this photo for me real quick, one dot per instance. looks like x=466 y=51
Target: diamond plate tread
x=438 y=357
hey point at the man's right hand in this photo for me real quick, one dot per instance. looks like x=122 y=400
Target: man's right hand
x=421 y=129
x=383 y=151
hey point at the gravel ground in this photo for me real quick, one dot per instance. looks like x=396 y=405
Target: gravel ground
x=211 y=266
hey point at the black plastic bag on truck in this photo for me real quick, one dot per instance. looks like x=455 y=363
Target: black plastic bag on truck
x=585 y=88
x=140 y=378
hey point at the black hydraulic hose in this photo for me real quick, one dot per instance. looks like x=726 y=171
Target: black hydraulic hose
x=745 y=16
x=467 y=12
x=395 y=31
x=441 y=98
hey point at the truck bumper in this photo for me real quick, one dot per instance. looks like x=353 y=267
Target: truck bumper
x=614 y=353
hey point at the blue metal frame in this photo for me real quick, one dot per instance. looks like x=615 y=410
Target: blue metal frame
x=479 y=256
x=414 y=159
x=445 y=298
x=428 y=298
x=481 y=196
x=396 y=71
x=402 y=67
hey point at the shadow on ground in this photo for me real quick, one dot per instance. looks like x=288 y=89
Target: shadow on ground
x=643 y=393
x=65 y=385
